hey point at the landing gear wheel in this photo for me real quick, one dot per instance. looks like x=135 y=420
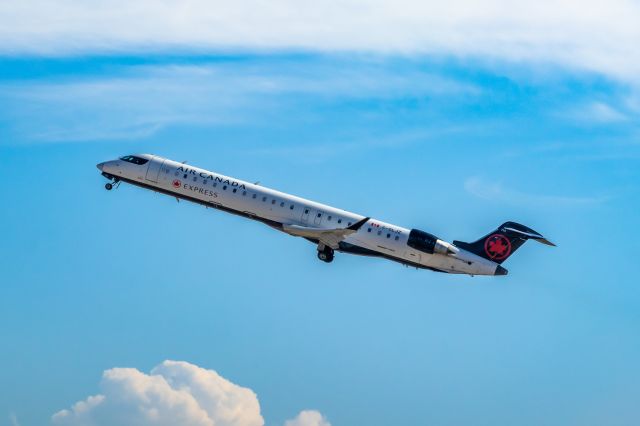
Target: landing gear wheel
x=326 y=255
x=108 y=186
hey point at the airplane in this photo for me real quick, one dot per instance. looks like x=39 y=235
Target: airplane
x=330 y=228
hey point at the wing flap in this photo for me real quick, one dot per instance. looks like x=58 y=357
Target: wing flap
x=329 y=237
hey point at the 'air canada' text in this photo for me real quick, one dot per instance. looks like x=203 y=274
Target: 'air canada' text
x=213 y=178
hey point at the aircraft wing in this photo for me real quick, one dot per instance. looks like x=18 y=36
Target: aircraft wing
x=329 y=237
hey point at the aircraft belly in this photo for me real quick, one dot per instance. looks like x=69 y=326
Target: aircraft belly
x=458 y=266
x=384 y=248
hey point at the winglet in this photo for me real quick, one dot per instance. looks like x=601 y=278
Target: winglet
x=358 y=224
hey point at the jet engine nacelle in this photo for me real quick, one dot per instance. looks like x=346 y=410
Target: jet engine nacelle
x=444 y=248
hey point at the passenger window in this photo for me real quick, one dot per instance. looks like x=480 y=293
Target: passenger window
x=291 y=207
x=244 y=193
x=185 y=176
x=369 y=230
x=319 y=214
x=224 y=188
x=273 y=202
x=254 y=196
x=328 y=217
x=339 y=220
x=388 y=235
x=306 y=211
x=235 y=190
x=215 y=184
x=195 y=179
x=379 y=232
x=397 y=238
x=349 y=224
x=282 y=204
x=264 y=199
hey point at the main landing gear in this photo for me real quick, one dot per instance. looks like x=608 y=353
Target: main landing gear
x=325 y=253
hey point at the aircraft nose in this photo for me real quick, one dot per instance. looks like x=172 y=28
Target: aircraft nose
x=100 y=166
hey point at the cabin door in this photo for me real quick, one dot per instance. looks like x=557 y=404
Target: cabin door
x=154 y=170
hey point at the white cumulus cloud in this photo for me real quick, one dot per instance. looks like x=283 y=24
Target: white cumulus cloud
x=174 y=393
x=308 y=418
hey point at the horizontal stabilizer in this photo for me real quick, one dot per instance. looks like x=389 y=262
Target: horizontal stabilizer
x=524 y=232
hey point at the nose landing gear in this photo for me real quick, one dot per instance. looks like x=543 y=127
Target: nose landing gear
x=325 y=253
x=110 y=185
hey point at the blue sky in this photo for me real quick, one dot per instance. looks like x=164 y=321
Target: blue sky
x=452 y=142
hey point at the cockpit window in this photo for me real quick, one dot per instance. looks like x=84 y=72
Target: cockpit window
x=133 y=159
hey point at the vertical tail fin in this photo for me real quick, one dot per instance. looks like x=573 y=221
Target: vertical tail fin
x=498 y=245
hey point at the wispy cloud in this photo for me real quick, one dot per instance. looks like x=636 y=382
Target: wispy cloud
x=596 y=112
x=568 y=33
x=145 y=99
x=496 y=191
x=127 y=107
x=320 y=152
x=14 y=419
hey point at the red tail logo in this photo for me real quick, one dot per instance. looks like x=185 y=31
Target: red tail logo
x=497 y=247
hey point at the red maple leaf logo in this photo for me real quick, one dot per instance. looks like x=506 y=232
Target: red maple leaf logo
x=497 y=247
x=177 y=183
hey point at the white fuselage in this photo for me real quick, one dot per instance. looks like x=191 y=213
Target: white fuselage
x=278 y=209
